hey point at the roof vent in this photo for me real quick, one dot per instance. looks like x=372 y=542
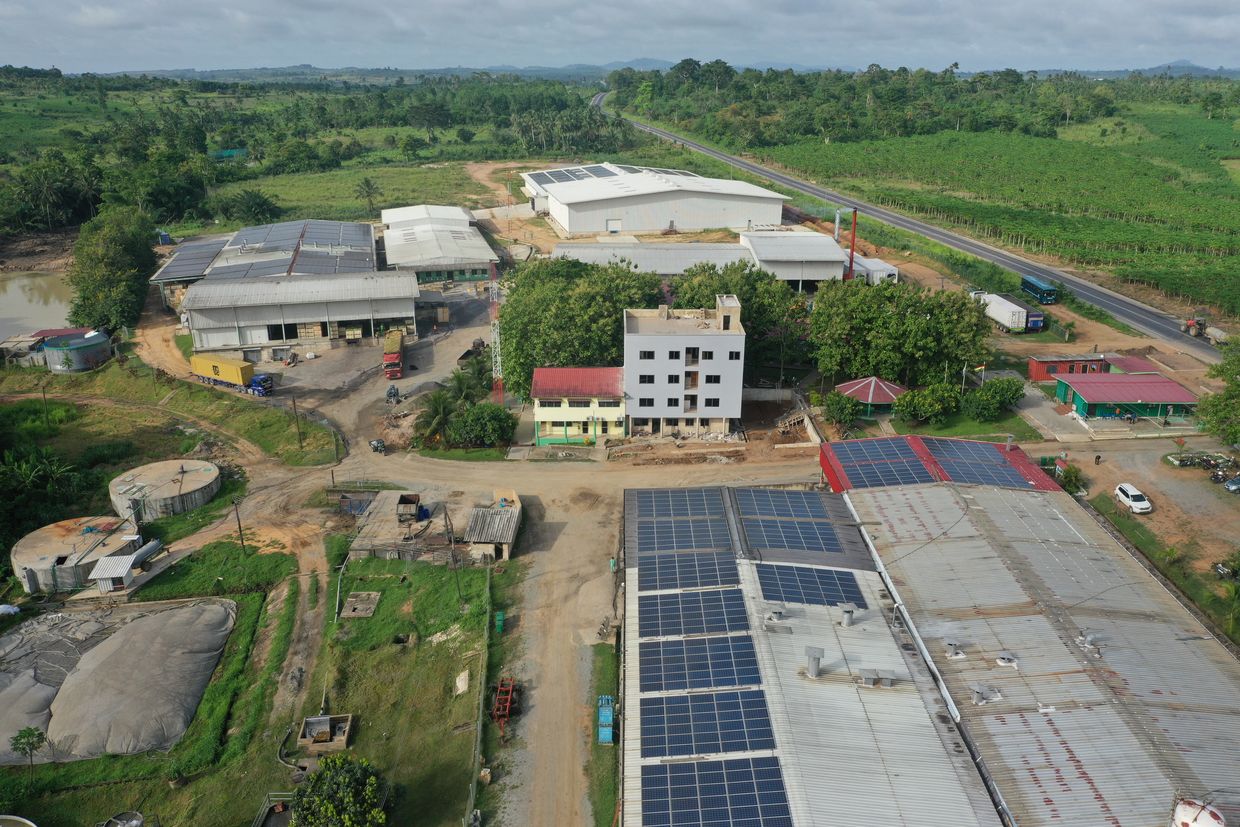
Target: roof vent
x=813 y=661
x=954 y=652
x=1008 y=659
x=775 y=615
x=877 y=677
x=847 y=610
x=983 y=695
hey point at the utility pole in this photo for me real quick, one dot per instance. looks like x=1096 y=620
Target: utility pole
x=456 y=572
x=45 y=423
x=297 y=422
x=237 y=514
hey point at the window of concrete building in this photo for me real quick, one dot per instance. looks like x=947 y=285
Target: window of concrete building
x=645 y=354
x=557 y=424
x=711 y=402
x=673 y=379
x=549 y=403
x=646 y=379
x=602 y=427
x=609 y=403
x=640 y=422
x=734 y=355
x=712 y=378
x=673 y=402
x=646 y=402
x=673 y=354
x=280 y=332
x=708 y=354
x=579 y=403
x=673 y=421
x=323 y=330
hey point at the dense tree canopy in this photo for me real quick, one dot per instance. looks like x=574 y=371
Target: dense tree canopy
x=1220 y=412
x=564 y=313
x=113 y=259
x=895 y=331
x=343 y=790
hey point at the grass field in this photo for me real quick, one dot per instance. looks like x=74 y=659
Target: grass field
x=218 y=569
x=421 y=737
x=604 y=758
x=465 y=454
x=178 y=526
x=268 y=427
x=959 y=425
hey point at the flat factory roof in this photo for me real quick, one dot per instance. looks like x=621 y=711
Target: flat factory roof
x=664 y=259
x=427 y=213
x=729 y=721
x=673 y=322
x=606 y=181
x=208 y=294
x=1091 y=694
x=437 y=245
x=785 y=245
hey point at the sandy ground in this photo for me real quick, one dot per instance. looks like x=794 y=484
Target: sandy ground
x=50 y=252
x=153 y=342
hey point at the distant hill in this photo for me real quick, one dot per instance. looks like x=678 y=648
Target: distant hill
x=307 y=73
x=1176 y=68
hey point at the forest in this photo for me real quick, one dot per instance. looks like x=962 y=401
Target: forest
x=72 y=145
x=1133 y=177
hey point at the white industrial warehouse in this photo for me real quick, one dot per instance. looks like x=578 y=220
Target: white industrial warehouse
x=619 y=198
x=438 y=243
x=275 y=285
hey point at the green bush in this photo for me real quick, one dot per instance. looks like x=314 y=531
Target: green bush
x=482 y=426
x=839 y=409
x=933 y=404
x=991 y=401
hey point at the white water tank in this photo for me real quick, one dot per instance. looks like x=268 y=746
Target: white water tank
x=1192 y=813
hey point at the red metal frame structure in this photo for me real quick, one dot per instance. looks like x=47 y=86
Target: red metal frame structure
x=501 y=709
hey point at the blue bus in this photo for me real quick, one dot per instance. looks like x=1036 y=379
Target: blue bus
x=1044 y=292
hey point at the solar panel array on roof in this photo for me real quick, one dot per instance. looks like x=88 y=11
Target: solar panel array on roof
x=686 y=571
x=797 y=535
x=691 y=613
x=191 y=260
x=871 y=463
x=980 y=463
x=600 y=172
x=810 y=586
x=705 y=724
x=628 y=169
x=541 y=178
x=680 y=502
x=736 y=792
x=698 y=663
x=674 y=535
x=774 y=502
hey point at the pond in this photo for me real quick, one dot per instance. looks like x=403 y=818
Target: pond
x=32 y=301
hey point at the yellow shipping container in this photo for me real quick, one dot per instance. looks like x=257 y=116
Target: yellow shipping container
x=233 y=371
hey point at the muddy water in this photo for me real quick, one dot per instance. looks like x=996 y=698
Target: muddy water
x=32 y=301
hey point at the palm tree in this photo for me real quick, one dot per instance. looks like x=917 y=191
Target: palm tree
x=368 y=191
x=463 y=388
x=479 y=368
x=433 y=420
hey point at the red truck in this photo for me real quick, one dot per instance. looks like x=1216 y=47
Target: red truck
x=393 y=356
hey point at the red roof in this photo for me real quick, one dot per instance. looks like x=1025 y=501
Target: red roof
x=872 y=390
x=59 y=331
x=554 y=383
x=1132 y=364
x=1128 y=387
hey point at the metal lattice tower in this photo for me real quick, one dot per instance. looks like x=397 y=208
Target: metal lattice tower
x=497 y=362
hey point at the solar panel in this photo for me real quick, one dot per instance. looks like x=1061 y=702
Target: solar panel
x=807 y=585
x=705 y=724
x=735 y=792
x=679 y=502
x=691 y=613
x=541 y=178
x=559 y=176
x=685 y=571
x=698 y=663
x=768 y=502
x=600 y=172
x=979 y=463
x=872 y=463
x=794 y=535
x=671 y=535
x=628 y=169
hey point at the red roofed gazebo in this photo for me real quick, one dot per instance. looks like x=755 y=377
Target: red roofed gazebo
x=877 y=394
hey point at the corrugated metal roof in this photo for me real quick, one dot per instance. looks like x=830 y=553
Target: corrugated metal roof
x=1131 y=364
x=627 y=182
x=1084 y=357
x=436 y=244
x=872 y=390
x=493 y=525
x=607 y=383
x=1127 y=387
x=117 y=565
x=1075 y=734
x=345 y=287
x=664 y=259
x=427 y=213
x=785 y=245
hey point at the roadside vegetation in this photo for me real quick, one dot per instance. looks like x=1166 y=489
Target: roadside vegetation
x=454 y=422
x=604 y=767
x=1139 y=182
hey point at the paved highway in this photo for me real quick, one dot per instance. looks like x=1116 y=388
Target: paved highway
x=1139 y=316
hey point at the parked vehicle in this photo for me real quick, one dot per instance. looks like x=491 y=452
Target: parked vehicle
x=1035 y=319
x=1042 y=291
x=1218 y=475
x=236 y=374
x=378 y=446
x=1003 y=312
x=1129 y=496
x=1233 y=484
x=1224 y=570
x=393 y=354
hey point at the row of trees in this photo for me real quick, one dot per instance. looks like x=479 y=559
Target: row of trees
x=112 y=263
x=1219 y=413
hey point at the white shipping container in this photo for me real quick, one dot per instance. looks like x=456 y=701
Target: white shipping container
x=1009 y=316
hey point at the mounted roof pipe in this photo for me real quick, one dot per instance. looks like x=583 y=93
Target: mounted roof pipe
x=813 y=661
x=847 y=610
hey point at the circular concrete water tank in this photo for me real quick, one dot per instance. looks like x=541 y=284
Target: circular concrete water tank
x=59 y=557
x=1192 y=813
x=77 y=352
x=15 y=821
x=163 y=488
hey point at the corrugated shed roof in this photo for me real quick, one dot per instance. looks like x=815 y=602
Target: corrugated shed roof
x=345 y=287
x=1131 y=364
x=783 y=245
x=1084 y=357
x=872 y=390
x=1127 y=387
x=418 y=245
x=493 y=525
x=664 y=259
x=555 y=383
x=60 y=331
x=1120 y=698
x=647 y=181
x=116 y=565
x=427 y=213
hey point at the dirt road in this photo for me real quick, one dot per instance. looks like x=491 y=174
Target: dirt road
x=153 y=342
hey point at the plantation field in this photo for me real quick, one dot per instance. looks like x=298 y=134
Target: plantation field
x=1157 y=205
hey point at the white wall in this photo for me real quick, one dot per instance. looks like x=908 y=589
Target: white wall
x=805 y=270
x=730 y=372
x=652 y=213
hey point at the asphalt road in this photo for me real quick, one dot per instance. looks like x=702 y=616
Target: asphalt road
x=1141 y=317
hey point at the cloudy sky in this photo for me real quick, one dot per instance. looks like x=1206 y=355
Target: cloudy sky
x=116 y=35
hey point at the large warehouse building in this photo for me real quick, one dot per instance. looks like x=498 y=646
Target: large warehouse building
x=618 y=198
x=438 y=243
x=948 y=639
x=275 y=285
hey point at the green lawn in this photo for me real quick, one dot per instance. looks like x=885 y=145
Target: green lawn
x=178 y=526
x=185 y=344
x=465 y=454
x=218 y=569
x=604 y=758
x=959 y=425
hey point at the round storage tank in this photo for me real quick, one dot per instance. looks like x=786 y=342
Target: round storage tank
x=163 y=488
x=15 y=821
x=59 y=557
x=77 y=352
